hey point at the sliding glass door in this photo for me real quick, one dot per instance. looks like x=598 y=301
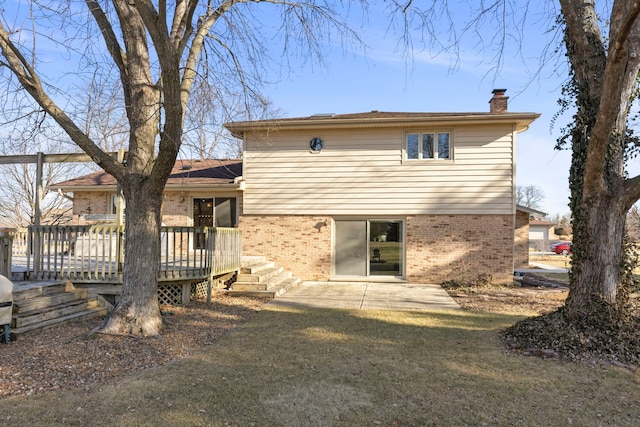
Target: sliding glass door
x=369 y=248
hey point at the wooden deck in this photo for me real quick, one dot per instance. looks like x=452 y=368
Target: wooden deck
x=92 y=257
x=65 y=273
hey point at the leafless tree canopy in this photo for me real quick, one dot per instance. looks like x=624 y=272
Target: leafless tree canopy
x=529 y=196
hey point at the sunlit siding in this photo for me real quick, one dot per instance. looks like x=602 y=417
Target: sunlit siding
x=362 y=172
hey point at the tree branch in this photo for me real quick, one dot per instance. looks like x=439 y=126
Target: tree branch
x=30 y=81
x=619 y=75
x=118 y=56
x=631 y=191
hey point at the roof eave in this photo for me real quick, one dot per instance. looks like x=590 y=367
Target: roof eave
x=235 y=186
x=520 y=120
x=72 y=188
x=238 y=185
x=530 y=211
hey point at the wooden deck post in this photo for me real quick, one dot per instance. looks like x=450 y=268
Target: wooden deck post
x=6 y=243
x=119 y=217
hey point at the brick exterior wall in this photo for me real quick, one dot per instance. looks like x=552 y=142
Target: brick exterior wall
x=175 y=210
x=438 y=247
x=459 y=247
x=300 y=244
x=521 y=243
x=89 y=203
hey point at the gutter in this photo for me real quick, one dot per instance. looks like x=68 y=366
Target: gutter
x=238 y=184
x=520 y=120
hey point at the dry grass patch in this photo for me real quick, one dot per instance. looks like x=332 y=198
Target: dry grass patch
x=561 y=261
x=320 y=367
x=520 y=300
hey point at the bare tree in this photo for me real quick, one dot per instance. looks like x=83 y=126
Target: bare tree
x=529 y=196
x=100 y=112
x=204 y=136
x=18 y=189
x=604 y=61
x=159 y=49
x=604 y=82
x=18 y=196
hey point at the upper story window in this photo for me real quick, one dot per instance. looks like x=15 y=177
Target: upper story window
x=428 y=145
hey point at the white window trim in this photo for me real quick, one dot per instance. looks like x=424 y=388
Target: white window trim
x=435 y=132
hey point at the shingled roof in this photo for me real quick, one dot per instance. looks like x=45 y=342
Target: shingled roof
x=184 y=173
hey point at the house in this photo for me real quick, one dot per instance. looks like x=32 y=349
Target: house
x=421 y=197
x=198 y=193
x=541 y=233
x=539 y=230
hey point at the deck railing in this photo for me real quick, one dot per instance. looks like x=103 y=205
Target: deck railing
x=95 y=253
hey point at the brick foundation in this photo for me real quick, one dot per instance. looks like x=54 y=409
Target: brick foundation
x=459 y=247
x=438 y=247
x=300 y=244
x=521 y=243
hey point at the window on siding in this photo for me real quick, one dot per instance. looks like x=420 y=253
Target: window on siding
x=428 y=145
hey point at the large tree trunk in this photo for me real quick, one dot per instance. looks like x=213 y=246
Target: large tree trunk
x=604 y=77
x=138 y=312
x=599 y=254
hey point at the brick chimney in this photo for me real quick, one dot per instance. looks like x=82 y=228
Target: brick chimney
x=498 y=104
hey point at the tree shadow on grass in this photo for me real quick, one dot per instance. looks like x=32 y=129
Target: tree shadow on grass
x=321 y=367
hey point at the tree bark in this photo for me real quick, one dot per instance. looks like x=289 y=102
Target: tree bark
x=138 y=312
x=604 y=76
x=598 y=258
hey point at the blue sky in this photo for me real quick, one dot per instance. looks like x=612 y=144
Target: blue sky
x=380 y=79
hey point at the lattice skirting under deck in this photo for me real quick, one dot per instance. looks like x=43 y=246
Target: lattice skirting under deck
x=181 y=293
x=170 y=294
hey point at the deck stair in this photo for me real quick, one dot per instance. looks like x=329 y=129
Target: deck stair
x=41 y=305
x=259 y=277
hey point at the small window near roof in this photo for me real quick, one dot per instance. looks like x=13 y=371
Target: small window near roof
x=428 y=146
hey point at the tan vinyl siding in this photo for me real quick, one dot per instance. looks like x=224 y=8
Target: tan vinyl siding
x=363 y=171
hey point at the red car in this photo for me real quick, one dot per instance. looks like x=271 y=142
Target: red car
x=563 y=248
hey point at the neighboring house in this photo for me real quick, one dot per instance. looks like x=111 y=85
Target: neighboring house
x=198 y=193
x=422 y=197
x=542 y=230
x=534 y=233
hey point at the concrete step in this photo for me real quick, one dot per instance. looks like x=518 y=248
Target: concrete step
x=251 y=260
x=261 y=276
x=272 y=280
x=257 y=267
x=273 y=292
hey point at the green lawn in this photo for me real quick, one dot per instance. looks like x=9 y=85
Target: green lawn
x=315 y=367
